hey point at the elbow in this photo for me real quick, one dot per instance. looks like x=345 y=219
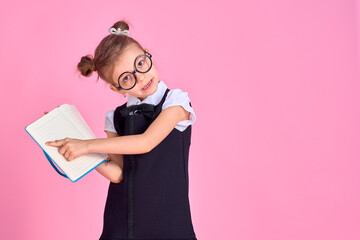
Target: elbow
x=148 y=145
x=117 y=179
x=148 y=148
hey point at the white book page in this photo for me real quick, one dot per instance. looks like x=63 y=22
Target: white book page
x=62 y=122
x=74 y=116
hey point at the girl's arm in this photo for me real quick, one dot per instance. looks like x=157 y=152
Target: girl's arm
x=130 y=144
x=112 y=170
x=145 y=142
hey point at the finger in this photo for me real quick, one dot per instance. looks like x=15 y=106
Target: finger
x=67 y=154
x=71 y=157
x=55 y=143
x=62 y=150
x=50 y=143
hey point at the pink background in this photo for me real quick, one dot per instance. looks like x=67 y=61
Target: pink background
x=275 y=87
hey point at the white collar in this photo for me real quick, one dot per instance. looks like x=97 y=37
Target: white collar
x=154 y=99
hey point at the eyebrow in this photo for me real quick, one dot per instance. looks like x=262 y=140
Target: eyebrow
x=133 y=63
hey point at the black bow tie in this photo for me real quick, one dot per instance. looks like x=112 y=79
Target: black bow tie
x=144 y=108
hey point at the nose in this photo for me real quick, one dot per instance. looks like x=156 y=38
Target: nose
x=140 y=77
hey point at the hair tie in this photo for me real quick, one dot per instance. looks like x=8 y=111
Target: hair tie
x=119 y=31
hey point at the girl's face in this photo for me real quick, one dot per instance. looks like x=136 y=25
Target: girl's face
x=126 y=63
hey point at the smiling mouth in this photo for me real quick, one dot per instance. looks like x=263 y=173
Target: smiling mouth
x=147 y=85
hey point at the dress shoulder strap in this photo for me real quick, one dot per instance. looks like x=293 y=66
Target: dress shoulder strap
x=164 y=97
x=118 y=122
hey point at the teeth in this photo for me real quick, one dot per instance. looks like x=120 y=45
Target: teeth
x=147 y=85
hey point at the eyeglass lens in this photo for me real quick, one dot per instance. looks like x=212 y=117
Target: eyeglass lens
x=127 y=79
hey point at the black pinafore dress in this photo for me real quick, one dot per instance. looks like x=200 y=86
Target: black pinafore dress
x=151 y=202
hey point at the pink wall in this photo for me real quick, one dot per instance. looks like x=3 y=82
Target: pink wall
x=275 y=86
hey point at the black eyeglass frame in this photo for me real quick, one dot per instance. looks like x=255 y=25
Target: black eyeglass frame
x=136 y=70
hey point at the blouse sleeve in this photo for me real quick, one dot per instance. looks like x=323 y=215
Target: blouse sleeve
x=109 y=121
x=179 y=97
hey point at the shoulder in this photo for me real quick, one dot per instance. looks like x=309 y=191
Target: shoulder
x=109 y=121
x=177 y=97
x=181 y=98
x=109 y=115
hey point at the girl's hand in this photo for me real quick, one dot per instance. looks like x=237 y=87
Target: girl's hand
x=70 y=148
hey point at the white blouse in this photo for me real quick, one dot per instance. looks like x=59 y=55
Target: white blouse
x=173 y=98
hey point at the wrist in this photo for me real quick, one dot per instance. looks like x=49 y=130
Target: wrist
x=89 y=145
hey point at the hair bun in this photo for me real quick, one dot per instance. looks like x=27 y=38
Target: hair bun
x=86 y=65
x=123 y=25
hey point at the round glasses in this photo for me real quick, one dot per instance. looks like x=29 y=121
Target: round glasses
x=143 y=64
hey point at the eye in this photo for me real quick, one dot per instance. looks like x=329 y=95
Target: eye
x=126 y=78
x=141 y=63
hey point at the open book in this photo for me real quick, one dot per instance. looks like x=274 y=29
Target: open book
x=62 y=122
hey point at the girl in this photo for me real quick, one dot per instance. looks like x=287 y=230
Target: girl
x=148 y=141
